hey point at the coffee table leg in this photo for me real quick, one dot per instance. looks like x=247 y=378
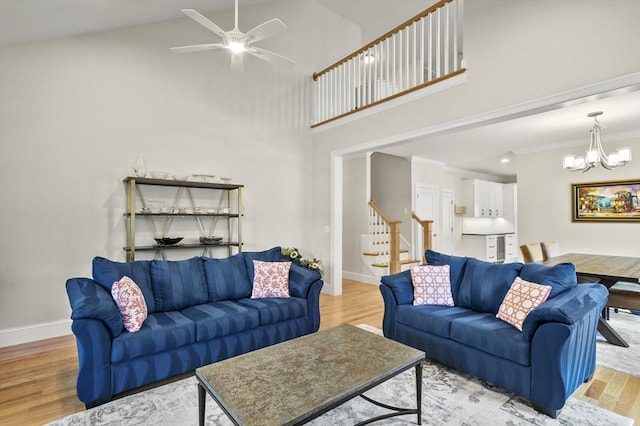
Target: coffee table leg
x=419 y=392
x=201 y=403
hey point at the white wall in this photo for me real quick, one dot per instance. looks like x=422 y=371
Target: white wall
x=516 y=52
x=545 y=206
x=76 y=112
x=354 y=217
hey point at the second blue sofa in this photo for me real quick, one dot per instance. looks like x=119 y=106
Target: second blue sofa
x=545 y=362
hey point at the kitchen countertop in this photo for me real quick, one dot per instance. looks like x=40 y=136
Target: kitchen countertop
x=487 y=233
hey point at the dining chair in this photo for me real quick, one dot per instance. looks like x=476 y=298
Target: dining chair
x=550 y=249
x=531 y=252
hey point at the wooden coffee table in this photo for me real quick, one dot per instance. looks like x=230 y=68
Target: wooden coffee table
x=296 y=381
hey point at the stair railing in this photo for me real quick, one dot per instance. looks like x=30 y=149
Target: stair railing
x=422 y=51
x=380 y=228
x=427 y=233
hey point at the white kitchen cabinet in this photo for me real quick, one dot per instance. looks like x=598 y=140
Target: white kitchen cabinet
x=510 y=248
x=483 y=198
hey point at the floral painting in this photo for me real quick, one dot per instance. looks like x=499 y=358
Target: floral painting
x=613 y=201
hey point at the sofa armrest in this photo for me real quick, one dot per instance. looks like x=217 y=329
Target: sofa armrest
x=94 y=361
x=401 y=286
x=566 y=308
x=89 y=300
x=301 y=279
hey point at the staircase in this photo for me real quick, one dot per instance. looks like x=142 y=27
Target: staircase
x=384 y=251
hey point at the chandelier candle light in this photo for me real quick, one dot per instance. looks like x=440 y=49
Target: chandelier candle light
x=596 y=154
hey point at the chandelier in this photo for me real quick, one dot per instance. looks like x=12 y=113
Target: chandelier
x=595 y=154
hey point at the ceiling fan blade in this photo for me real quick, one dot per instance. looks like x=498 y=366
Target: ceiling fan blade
x=267 y=29
x=237 y=63
x=205 y=22
x=197 y=47
x=271 y=56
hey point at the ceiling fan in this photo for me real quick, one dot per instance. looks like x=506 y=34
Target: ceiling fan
x=238 y=42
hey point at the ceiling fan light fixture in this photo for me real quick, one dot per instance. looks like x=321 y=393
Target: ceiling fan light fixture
x=236 y=47
x=595 y=154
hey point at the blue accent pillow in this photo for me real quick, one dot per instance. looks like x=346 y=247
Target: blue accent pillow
x=560 y=277
x=227 y=278
x=106 y=272
x=178 y=284
x=456 y=268
x=271 y=255
x=485 y=284
x=88 y=299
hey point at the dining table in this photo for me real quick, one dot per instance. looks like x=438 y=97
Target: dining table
x=607 y=270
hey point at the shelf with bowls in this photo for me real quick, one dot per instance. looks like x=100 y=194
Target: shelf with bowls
x=216 y=209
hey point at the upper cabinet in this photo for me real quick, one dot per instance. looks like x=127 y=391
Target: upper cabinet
x=483 y=198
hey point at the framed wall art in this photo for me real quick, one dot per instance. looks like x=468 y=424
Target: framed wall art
x=611 y=201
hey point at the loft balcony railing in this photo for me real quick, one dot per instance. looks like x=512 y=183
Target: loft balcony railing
x=422 y=51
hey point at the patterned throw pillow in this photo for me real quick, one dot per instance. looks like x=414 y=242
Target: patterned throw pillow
x=271 y=279
x=130 y=301
x=522 y=298
x=431 y=285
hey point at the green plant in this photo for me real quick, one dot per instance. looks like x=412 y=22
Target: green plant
x=295 y=256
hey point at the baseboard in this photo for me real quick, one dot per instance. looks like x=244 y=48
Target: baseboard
x=32 y=333
x=367 y=279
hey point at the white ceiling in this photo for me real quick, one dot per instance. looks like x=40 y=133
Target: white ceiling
x=478 y=149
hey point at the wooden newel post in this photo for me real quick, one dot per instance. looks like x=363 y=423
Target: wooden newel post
x=427 y=236
x=394 y=249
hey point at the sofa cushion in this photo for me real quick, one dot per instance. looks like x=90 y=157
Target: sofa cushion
x=456 y=264
x=277 y=310
x=160 y=332
x=401 y=286
x=560 y=277
x=485 y=284
x=178 y=284
x=130 y=301
x=431 y=318
x=272 y=255
x=220 y=319
x=106 y=272
x=431 y=285
x=90 y=300
x=522 y=298
x=487 y=333
x=271 y=279
x=227 y=278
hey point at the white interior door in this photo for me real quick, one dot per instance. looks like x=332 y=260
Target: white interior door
x=446 y=222
x=426 y=209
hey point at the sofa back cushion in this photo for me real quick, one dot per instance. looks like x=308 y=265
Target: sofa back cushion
x=485 y=284
x=106 y=272
x=271 y=255
x=227 y=278
x=456 y=268
x=560 y=277
x=178 y=284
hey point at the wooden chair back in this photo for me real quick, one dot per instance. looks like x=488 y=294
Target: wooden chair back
x=531 y=252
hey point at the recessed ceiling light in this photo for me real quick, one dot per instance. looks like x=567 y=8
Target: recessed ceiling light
x=504 y=160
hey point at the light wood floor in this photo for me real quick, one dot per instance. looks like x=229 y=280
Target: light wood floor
x=37 y=380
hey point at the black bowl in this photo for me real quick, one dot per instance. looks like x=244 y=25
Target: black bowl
x=168 y=241
x=210 y=240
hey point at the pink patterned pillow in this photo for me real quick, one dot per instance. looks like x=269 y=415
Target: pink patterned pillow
x=431 y=285
x=522 y=298
x=271 y=279
x=130 y=301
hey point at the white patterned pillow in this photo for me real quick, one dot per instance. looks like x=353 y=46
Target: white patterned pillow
x=130 y=301
x=431 y=285
x=271 y=279
x=522 y=298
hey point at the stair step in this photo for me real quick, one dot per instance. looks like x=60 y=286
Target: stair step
x=402 y=262
x=379 y=232
x=382 y=253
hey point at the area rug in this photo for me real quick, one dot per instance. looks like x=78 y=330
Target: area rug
x=449 y=398
x=625 y=360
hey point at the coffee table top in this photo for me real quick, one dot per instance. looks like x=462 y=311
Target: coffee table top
x=291 y=381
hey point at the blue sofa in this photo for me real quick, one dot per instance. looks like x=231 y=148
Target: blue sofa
x=545 y=363
x=199 y=312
